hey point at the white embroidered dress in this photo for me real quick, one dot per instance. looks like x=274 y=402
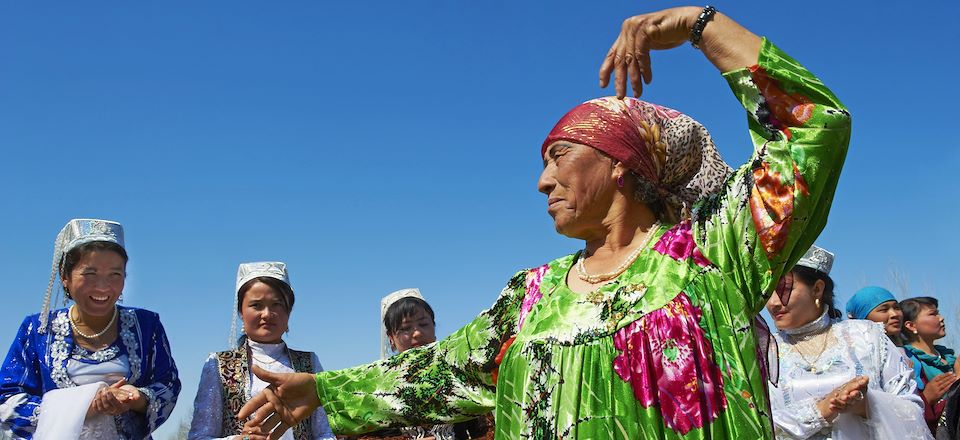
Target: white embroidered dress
x=207 y=421
x=853 y=348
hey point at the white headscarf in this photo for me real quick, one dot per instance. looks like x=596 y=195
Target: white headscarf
x=247 y=272
x=385 y=304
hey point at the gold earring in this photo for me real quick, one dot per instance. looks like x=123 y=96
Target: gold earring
x=816 y=302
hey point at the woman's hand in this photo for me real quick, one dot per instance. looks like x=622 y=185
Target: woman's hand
x=937 y=387
x=725 y=43
x=132 y=398
x=629 y=56
x=847 y=398
x=290 y=398
x=108 y=400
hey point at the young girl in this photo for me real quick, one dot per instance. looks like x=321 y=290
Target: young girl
x=264 y=299
x=408 y=322
x=934 y=365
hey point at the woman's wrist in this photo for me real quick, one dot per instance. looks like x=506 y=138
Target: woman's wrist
x=826 y=410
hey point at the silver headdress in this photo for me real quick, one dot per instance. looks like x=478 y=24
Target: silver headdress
x=247 y=272
x=817 y=258
x=76 y=232
x=385 y=304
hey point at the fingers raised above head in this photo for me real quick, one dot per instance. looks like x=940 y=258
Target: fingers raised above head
x=620 y=70
x=630 y=60
x=607 y=66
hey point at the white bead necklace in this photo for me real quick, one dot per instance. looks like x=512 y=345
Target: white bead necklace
x=76 y=330
x=601 y=277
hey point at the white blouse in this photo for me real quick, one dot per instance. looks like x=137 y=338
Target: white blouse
x=208 y=406
x=853 y=348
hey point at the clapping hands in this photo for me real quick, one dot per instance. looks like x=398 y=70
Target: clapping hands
x=117 y=398
x=847 y=398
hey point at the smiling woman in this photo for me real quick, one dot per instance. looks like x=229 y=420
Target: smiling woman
x=94 y=370
x=878 y=305
x=838 y=379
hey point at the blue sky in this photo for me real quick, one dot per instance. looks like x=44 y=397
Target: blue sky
x=380 y=145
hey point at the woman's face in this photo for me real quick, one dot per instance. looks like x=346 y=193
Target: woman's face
x=96 y=282
x=889 y=314
x=929 y=324
x=579 y=185
x=802 y=306
x=415 y=330
x=264 y=314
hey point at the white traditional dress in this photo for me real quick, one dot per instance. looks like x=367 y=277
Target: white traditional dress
x=853 y=348
x=226 y=383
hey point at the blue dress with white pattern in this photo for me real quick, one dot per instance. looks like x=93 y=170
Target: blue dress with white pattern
x=40 y=362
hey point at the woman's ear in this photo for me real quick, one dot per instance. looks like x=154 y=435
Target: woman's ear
x=909 y=327
x=818 y=289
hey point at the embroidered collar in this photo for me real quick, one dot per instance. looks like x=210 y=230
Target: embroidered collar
x=809 y=329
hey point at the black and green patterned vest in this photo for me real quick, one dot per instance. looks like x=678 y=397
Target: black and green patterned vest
x=234 y=368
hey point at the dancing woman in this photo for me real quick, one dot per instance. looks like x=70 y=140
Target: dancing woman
x=648 y=331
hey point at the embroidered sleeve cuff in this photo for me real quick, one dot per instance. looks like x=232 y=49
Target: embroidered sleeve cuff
x=808 y=414
x=148 y=395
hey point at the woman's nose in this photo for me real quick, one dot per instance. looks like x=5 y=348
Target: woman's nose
x=546 y=182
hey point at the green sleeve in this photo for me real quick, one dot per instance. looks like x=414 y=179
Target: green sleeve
x=773 y=208
x=447 y=381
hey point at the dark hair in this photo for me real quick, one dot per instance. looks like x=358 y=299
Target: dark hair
x=405 y=308
x=284 y=289
x=72 y=258
x=810 y=276
x=911 y=308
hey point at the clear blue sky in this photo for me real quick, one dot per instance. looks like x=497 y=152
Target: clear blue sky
x=380 y=145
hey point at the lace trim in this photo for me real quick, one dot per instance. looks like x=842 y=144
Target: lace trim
x=808 y=414
x=99 y=356
x=128 y=322
x=60 y=351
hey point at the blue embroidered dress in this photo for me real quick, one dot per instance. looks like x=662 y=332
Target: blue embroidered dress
x=40 y=362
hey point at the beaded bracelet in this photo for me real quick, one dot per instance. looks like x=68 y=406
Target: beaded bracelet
x=697 y=31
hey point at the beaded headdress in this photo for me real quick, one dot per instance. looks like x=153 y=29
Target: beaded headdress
x=385 y=304
x=817 y=258
x=247 y=272
x=76 y=232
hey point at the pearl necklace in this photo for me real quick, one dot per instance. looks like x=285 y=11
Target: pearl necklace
x=76 y=330
x=601 y=277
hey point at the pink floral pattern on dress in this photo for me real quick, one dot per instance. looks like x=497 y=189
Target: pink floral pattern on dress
x=668 y=361
x=678 y=243
x=534 y=278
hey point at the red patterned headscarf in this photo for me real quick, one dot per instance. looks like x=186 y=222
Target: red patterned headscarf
x=664 y=147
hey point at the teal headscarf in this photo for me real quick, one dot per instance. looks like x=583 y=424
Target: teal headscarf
x=866 y=299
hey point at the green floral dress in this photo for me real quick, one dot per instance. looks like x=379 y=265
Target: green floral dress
x=667 y=350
